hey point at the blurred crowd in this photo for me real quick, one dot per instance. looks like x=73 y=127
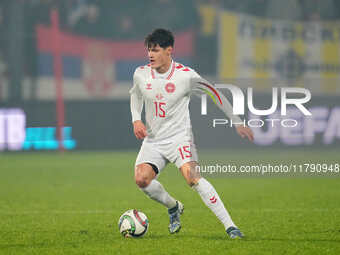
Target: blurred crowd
x=129 y=19
x=303 y=10
x=132 y=19
x=118 y=19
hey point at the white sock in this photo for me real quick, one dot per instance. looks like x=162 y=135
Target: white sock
x=213 y=201
x=156 y=191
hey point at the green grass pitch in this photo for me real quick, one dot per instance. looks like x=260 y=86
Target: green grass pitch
x=70 y=204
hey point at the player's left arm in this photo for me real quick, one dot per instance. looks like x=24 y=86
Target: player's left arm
x=200 y=85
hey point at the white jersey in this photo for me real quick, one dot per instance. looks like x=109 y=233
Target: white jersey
x=166 y=97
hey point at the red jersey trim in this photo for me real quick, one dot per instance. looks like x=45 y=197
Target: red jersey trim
x=152 y=73
x=172 y=71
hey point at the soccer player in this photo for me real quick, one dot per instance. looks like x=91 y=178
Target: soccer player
x=165 y=86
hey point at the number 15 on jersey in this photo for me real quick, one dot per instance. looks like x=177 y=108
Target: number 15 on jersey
x=160 y=111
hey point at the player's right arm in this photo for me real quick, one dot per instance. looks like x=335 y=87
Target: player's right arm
x=136 y=106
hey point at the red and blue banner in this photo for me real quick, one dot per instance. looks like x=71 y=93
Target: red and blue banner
x=97 y=67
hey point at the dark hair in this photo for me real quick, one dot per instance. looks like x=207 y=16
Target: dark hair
x=164 y=38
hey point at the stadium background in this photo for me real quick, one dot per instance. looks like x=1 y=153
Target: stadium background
x=62 y=203
x=257 y=44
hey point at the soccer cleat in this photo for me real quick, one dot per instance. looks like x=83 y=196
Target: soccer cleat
x=234 y=232
x=174 y=214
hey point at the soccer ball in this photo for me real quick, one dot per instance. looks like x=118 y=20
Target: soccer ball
x=133 y=223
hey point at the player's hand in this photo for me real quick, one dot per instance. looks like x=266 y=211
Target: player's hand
x=139 y=129
x=244 y=132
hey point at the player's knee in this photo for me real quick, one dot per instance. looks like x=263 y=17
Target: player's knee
x=190 y=174
x=142 y=177
x=192 y=182
x=142 y=181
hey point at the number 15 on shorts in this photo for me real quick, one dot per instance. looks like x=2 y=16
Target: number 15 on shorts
x=185 y=152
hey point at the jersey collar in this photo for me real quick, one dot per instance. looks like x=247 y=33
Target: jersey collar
x=170 y=74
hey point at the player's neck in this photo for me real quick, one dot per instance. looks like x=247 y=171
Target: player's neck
x=164 y=68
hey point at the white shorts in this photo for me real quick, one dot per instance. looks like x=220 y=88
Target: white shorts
x=160 y=154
